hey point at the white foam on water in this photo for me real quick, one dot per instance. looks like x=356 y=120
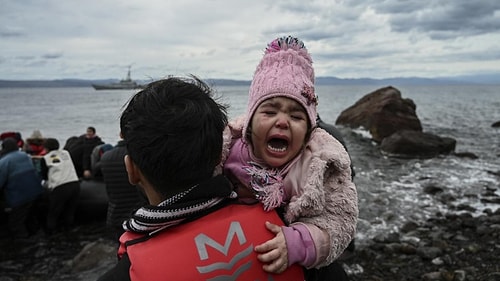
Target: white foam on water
x=363 y=133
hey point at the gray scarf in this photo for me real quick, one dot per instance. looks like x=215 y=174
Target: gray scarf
x=187 y=205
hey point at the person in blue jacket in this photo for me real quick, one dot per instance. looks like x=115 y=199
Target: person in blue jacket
x=21 y=186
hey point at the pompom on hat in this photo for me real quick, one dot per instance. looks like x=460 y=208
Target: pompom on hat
x=284 y=71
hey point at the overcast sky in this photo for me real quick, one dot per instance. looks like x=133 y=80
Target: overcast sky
x=52 y=39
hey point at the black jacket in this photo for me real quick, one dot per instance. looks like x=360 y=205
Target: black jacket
x=123 y=197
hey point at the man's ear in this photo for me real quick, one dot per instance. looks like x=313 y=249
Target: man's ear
x=134 y=175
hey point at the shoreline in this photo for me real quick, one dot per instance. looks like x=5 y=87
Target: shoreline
x=447 y=247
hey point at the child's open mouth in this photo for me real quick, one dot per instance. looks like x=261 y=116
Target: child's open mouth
x=277 y=144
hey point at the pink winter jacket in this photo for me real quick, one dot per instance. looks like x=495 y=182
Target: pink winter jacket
x=322 y=195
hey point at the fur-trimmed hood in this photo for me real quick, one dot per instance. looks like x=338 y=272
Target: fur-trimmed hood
x=319 y=189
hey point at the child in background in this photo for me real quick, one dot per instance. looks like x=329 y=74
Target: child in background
x=280 y=157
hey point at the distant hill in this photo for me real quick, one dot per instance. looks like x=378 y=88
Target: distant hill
x=228 y=82
x=381 y=82
x=45 y=83
x=60 y=83
x=461 y=80
x=477 y=79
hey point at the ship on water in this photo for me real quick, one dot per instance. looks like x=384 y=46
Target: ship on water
x=124 y=84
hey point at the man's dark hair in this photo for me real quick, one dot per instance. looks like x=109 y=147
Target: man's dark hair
x=51 y=144
x=92 y=129
x=173 y=130
x=9 y=145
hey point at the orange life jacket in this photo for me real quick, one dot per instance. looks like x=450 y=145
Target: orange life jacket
x=218 y=246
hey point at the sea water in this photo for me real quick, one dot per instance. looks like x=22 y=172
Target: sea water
x=391 y=190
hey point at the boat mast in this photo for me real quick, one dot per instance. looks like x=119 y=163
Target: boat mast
x=128 y=74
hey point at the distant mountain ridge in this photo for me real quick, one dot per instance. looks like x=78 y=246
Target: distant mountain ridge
x=473 y=79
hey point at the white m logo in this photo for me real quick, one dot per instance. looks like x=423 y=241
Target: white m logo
x=203 y=240
x=228 y=269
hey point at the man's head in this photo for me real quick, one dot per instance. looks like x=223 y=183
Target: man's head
x=90 y=133
x=51 y=144
x=173 y=131
x=9 y=145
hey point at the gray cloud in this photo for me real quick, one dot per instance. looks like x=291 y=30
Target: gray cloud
x=5 y=32
x=52 y=56
x=443 y=19
x=221 y=39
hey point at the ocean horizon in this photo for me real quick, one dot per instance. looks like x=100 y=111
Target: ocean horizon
x=485 y=79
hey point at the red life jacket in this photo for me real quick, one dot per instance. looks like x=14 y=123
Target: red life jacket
x=36 y=149
x=218 y=246
x=15 y=135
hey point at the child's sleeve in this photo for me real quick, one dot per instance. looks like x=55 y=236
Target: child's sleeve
x=300 y=245
x=327 y=202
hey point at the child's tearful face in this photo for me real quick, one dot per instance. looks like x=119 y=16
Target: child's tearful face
x=279 y=127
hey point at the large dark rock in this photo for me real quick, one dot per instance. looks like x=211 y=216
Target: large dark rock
x=408 y=143
x=496 y=124
x=381 y=112
x=393 y=123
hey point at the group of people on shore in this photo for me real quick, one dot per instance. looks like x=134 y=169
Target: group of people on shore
x=41 y=180
x=267 y=196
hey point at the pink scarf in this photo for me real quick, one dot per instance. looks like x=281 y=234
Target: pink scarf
x=267 y=183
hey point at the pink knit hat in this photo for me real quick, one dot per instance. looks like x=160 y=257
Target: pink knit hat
x=284 y=71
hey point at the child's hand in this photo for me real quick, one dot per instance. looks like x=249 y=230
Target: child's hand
x=273 y=252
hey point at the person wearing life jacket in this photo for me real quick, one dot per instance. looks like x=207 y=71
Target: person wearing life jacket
x=34 y=145
x=15 y=135
x=191 y=229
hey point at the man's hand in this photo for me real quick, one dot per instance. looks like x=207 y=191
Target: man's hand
x=87 y=174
